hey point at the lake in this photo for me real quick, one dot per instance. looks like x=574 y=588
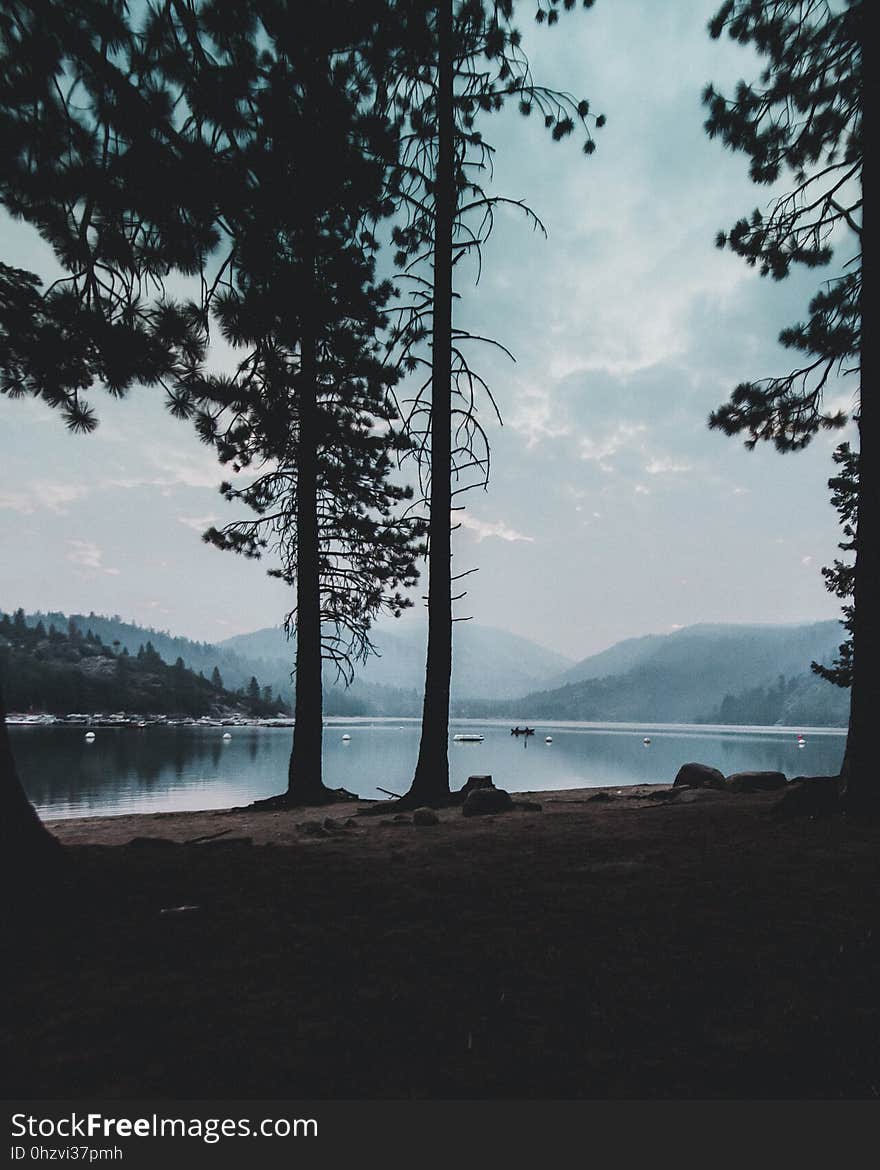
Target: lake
x=159 y=769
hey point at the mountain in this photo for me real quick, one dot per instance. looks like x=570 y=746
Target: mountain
x=487 y=663
x=119 y=634
x=686 y=677
x=61 y=671
x=617 y=659
x=703 y=673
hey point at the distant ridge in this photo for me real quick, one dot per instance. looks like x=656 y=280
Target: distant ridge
x=703 y=673
x=487 y=663
x=710 y=673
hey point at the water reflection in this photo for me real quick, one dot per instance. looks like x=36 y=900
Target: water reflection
x=163 y=769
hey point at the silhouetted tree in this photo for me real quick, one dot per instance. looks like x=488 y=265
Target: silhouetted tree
x=803 y=119
x=468 y=59
x=307 y=408
x=839 y=576
x=26 y=846
x=85 y=151
x=86 y=140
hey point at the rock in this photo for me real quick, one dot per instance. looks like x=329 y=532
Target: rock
x=333 y=826
x=485 y=801
x=425 y=816
x=474 y=782
x=698 y=776
x=528 y=805
x=313 y=828
x=809 y=796
x=691 y=795
x=755 y=781
x=600 y=796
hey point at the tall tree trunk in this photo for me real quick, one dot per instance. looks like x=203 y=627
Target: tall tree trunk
x=26 y=845
x=861 y=783
x=431 y=780
x=305 y=784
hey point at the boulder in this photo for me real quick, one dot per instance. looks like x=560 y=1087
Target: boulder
x=474 y=782
x=809 y=796
x=698 y=776
x=425 y=816
x=484 y=801
x=755 y=781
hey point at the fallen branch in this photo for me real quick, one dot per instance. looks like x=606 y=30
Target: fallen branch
x=207 y=837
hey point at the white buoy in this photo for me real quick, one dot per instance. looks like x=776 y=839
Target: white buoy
x=346 y=738
x=90 y=737
x=646 y=740
x=549 y=739
x=226 y=735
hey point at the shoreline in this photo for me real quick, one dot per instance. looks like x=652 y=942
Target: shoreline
x=280 y=827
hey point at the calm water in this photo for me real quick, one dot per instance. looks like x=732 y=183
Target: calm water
x=164 y=769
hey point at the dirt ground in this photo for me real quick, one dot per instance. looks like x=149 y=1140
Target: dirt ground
x=630 y=946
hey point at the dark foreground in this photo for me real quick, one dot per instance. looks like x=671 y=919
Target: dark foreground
x=625 y=948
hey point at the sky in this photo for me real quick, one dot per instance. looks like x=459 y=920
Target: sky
x=612 y=510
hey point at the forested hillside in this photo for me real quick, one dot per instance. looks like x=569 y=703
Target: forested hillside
x=61 y=671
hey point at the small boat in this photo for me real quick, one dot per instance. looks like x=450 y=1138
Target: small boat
x=522 y=730
x=468 y=738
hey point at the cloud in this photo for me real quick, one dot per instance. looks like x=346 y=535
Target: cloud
x=87 y=555
x=536 y=415
x=197 y=523
x=84 y=553
x=666 y=466
x=622 y=436
x=37 y=496
x=483 y=528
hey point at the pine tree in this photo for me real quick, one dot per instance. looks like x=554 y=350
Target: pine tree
x=467 y=60
x=804 y=120
x=839 y=577
x=308 y=409
x=88 y=153
x=87 y=143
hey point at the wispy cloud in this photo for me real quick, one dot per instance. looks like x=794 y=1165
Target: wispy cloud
x=197 y=523
x=666 y=466
x=38 y=496
x=87 y=555
x=538 y=416
x=600 y=450
x=484 y=528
